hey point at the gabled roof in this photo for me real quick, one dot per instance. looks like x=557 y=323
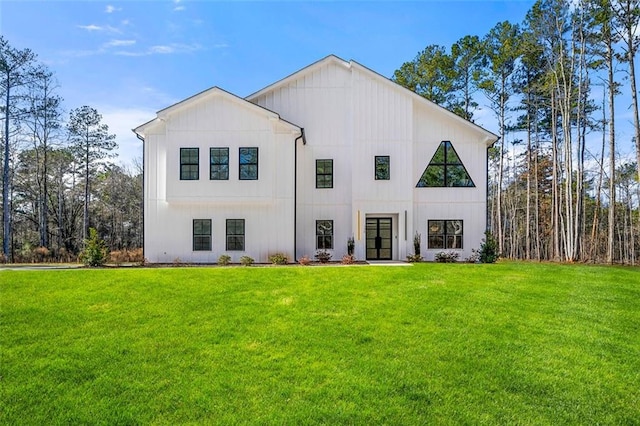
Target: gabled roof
x=163 y=114
x=490 y=137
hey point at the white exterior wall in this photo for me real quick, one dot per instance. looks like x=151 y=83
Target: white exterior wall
x=350 y=115
x=171 y=204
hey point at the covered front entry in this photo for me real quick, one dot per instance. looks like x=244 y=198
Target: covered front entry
x=379 y=237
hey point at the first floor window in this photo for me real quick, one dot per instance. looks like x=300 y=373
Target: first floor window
x=324 y=173
x=201 y=234
x=235 y=234
x=219 y=158
x=383 y=171
x=248 y=163
x=324 y=234
x=445 y=234
x=189 y=158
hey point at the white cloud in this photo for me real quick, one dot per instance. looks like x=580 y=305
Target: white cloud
x=111 y=9
x=119 y=43
x=93 y=27
x=178 y=8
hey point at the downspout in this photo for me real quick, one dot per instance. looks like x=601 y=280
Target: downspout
x=143 y=182
x=295 y=190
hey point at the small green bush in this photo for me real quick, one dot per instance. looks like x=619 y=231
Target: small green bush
x=489 y=249
x=95 y=252
x=279 y=259
x=413 y=258
x=246 y=260
x=224 y=260
x=447 y=257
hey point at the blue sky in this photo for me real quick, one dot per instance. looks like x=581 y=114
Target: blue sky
x=130 y=59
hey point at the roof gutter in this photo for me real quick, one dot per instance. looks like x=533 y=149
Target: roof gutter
x=295 y=191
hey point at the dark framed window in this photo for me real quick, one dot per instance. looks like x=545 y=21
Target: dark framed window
x=382 y=167
x=248 y=163
x=201 y=234
x=324 y=234
x=189 y=163
x=445 y=169
x=324 y=173
x=235 y=234
x=445 y=234
x=219 y=163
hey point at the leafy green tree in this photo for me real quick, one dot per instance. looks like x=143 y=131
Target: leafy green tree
x=431 y=75
x=467 y=58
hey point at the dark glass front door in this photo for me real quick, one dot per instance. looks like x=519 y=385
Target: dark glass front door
x=379 y=238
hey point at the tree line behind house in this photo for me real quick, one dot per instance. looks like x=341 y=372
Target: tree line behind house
x=58 y=180
x=560 y=185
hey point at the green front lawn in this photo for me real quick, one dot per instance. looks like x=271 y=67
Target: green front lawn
x=428 y=344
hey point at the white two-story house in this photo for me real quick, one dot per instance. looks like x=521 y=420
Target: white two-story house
x=332 y=152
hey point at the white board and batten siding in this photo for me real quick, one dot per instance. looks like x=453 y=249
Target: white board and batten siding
x=266 y=204
x=350 y=115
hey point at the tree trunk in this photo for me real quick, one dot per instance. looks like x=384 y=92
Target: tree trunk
x=6 y=212
x=612 y=153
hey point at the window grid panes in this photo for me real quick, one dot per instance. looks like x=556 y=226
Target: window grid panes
x=324 y=173
x=201 y=234
x=445 y=169
x=248 y=163
x=324 y=234
x=382 y=167
x=219 y=158
x=189 y=161
x=235 y=234
x=445 y=234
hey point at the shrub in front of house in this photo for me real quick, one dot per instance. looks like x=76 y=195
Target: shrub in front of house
x=447 y=257
x=348 y=259
x=489 y=249
x=304 y=260
x=323 y=256
x=246 y=260
x=224 y=260
x=95 y=251
x=279 y=259
x=413 y=258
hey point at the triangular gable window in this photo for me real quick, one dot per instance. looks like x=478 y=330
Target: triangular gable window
x=445 y=169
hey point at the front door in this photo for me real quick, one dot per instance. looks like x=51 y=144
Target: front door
x=379 y=238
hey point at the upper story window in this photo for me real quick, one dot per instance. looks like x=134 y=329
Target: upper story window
x=324 y=234
x=445 y=234
x=219 y=163
x=445 y=169
x=235 y=234
x=248 y=163
x=382 y=167
x=324 y=173
x=189 y=164
x=201 y=234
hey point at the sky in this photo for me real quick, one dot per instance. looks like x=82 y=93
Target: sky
x=129 y=59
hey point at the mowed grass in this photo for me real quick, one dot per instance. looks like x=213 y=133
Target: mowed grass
x=511 y=343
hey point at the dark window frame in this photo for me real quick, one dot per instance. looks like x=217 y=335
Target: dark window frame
x=324 y=234
x=445 y=165
x=237 y=239
x=324 y=179
x=385 y=167
x=243 y=166
x=216 y=163
x=445 y=240
x=201 y=237
x=187 y=162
